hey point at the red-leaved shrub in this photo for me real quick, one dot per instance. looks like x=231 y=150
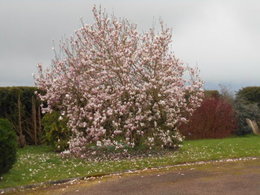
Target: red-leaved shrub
x=215 y=118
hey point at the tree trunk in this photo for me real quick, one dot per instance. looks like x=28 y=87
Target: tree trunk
x=22 y=140
x=253 y=125
x=39 y=121
x=34 y=120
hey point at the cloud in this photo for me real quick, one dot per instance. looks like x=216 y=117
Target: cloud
x=221 y=37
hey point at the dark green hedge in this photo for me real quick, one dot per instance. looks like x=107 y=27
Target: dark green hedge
x=9 y=109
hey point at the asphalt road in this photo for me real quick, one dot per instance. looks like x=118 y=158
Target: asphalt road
x=242 y=177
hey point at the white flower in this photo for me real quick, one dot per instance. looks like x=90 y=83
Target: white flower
x=99 y=143
x=66 y=152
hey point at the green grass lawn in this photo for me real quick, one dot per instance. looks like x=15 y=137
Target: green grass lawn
x=38 y=163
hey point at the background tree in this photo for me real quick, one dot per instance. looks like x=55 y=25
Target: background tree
x=250 y=94
x=247 y=106
x=245 y=110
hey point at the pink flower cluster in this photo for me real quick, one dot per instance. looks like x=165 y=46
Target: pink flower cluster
x=120 y=87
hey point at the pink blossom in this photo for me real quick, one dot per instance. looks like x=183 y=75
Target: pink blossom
x=114 y=77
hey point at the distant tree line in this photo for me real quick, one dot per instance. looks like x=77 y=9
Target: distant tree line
x=220 y=115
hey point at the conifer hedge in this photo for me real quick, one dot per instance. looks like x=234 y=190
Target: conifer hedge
x=26 y=120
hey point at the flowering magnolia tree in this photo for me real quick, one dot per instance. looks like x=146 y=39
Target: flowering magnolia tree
x=118 y=87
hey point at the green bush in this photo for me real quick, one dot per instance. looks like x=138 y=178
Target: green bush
x=8 y=146
x=56 y=132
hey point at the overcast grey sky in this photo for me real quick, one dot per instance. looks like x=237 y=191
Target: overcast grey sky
x=221 y=37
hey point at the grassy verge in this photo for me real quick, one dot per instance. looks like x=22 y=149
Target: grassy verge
x=38 y=163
